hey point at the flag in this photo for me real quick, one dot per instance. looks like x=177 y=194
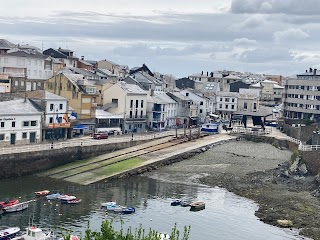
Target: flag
x=74 y=115
x=57 y=118
x=65 y=117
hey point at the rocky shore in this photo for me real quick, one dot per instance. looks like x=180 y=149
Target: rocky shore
x=275 y=178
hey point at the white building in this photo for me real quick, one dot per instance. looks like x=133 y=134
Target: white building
x=204 y=105
x=227 y=104
x=162 y=111
x=130 y=101
x=20 y=123
x=25 y=63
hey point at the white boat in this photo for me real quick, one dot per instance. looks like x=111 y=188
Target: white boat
x=53 y=196
x=17 y=207
x=8 y=233
x=66 y=198
x=34 y=233
x=212 y=127
x=106 y=204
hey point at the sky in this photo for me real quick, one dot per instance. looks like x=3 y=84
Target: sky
x=178 y=37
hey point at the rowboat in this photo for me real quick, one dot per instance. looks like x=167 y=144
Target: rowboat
x=8 y=233
x=42 y=193
x=197 y=206
x=8 y=203
x=34 y=233
x=53 y=196
x=176 y=202
x=74 y=201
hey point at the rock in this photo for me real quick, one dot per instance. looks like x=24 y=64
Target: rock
x=317 y=179
x=203 y=149
x=284 y=223
x=303 y=169
x=294 y=166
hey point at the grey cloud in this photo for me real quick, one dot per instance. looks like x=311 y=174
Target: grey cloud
x=297 y=7
x=291 y=34
x=262 y=55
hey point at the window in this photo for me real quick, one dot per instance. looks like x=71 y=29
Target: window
x=220 y=105
x=114 y=100
x=187 y=94
x=232 y=99
x=227 y=100
x=60 y=106
x=137 y=103
x=33 y=123
x=2 y=124
x=25 y=124
x=232 y=106
x=13 y=124
x=24 y=135
x=1 y=137
x=141 y=114
x=136 y=115
x=131 y=103
x=245 y=105
x=200 y=110
x=51 y=107
x=201 y=103
x=254 y=106
x=51 y=120
x=129 y=126
x=227 y=106
x=221 y=99
x=141 y=103
x=131 y=113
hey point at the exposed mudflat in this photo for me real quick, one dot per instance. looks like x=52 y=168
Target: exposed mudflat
x=255 y=171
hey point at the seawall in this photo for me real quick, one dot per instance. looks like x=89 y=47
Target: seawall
x=18 y=164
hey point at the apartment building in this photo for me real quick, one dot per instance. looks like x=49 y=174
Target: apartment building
x=302 y=96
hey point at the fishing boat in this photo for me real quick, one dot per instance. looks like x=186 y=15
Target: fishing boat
x=17 y=207
x=197 y=206
x=35 y=233
x=74 y=201
x=176 y=202
x=53 y=196
x=42 y=193
x=128 y=210
x=8 y=203
x=66 y=198
x=9 y=233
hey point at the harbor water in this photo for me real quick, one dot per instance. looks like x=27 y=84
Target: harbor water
x=226 y=215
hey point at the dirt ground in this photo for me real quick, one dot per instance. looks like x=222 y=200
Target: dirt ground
x=256 y=171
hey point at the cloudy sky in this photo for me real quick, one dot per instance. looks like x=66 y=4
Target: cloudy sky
x=180 y=37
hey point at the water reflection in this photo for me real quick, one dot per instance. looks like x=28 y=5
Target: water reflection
x=226 y=216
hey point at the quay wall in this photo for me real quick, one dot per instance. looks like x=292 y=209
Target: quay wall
x=18 y=164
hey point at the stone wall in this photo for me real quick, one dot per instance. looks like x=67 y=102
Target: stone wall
x=312 y=161
x=18 y=164
x=303 y=133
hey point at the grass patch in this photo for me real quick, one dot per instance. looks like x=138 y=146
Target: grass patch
x=122 y=166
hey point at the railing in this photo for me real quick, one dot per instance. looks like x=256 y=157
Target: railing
x=88 y=142
x=306 y=148
x=253 y=131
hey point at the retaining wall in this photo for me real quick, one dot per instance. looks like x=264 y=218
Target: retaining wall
x=18 y=164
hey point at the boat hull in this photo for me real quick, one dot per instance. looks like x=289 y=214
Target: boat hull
x=16 y=208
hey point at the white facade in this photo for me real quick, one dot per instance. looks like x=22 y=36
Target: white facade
x=17 y=66
x=20 y=123
x=56 y=111
x=202 y=104
x=227 y=103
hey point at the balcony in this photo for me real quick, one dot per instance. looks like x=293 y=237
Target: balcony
x=136 y=118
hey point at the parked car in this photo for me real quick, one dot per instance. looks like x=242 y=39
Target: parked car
x=100 y=135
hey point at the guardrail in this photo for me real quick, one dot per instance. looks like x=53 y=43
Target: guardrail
x=89 y=142
x=252 y=131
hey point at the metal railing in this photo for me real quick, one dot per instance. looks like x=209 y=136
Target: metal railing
x=87 y=142
x=306 y=148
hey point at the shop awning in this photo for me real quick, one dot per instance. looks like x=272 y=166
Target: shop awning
x=80 y=126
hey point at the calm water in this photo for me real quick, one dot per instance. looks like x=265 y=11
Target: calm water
x=226 y=216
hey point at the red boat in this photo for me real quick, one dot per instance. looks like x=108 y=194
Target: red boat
x=42 y=193
x=9 y=203
x=74 y=201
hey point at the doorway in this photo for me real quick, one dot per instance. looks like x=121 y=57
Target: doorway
x=32 y=137
x=12 y=138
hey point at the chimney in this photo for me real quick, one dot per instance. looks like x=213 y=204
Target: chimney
x=310 y=70
x=201 y=73
x=315 y=71
x=306 y=70
x=82 y=57
x=207 y=73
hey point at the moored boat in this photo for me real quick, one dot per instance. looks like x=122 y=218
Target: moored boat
x=119 y=208
x=42 y=193
x=53 y=196
x=197 y=206
x=129 y=210
x=17 y=207
x=212 y=127
x=185 y=203
x=74 y=201
x=111 y=203
x=34 y=233
x=66 y=198
x=8 y=203
x=176 y=202
x=9 y=233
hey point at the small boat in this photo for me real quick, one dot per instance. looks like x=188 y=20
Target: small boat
x=110 y=207
x=119 y=208
x=8 y=203
x=176 y=202
x=8 y=233
x=35 y=233
x=53 y=196
x=185 y=203
x=42 y=193
x=74 y=201
x=197 y=206
x=212 y=127
x=66 y=198
x=129 y=210
x=111 y=203
x=17 y=207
